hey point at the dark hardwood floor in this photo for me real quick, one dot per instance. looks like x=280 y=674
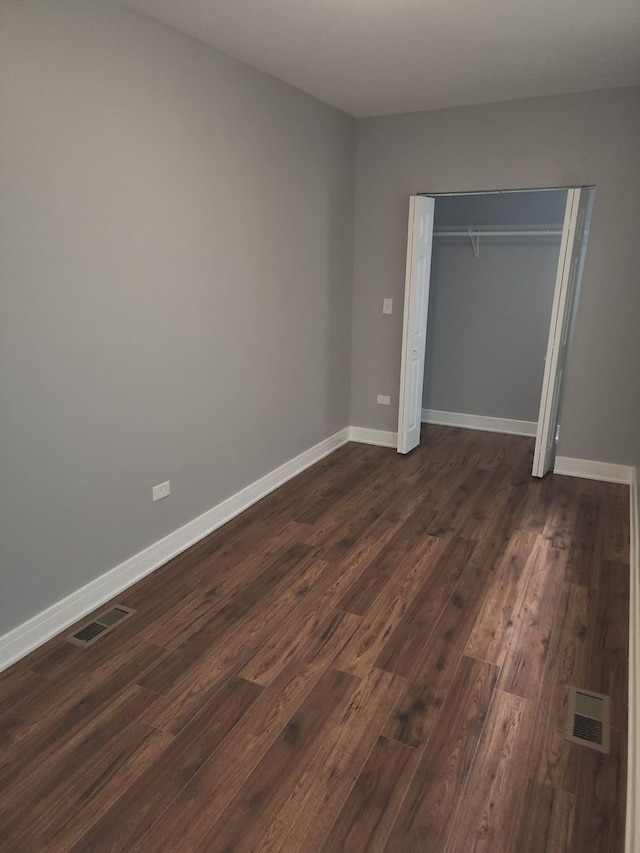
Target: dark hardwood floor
x=374 y=657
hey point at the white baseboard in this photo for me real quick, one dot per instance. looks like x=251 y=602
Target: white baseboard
x=588 y=469
x=481 y=422
x=46 y=624
x=381 y=437
x=632 y=834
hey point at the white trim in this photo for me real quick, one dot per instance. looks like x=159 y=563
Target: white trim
x=504 y=191
x=557 y=339
x=414 y=324
x=632 y=834
x=481 y=422
x=46 y=624
x=381 y=437
x=589 y=469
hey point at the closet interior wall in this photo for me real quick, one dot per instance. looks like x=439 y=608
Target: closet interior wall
x=489 y=314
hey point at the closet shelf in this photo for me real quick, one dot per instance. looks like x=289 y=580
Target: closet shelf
x=474 y=232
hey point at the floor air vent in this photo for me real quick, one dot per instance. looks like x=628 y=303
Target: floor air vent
x=588 y=719
x=102 y=624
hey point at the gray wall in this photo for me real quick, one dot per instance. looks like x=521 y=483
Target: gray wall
x=510 y=208
x=489 y=315
x=488 y=326
x=561 y=141
x=176 y=266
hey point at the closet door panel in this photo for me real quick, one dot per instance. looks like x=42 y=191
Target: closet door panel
x=570 y=265
x=414 y=334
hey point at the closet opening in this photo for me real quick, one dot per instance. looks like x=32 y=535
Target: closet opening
x=491 y=290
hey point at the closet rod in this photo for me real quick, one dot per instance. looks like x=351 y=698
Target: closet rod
x=487 y=233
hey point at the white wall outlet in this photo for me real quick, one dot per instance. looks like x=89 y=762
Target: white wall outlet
x=387 y=306
x=384 y=400
x=162 y=490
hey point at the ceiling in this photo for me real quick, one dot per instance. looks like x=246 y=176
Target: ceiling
x=376 y=57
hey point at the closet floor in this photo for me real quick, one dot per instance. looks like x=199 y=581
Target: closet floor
x=374 y=657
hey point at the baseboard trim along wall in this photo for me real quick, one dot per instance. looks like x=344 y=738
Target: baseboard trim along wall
x=46 y=624
x=632 y=834
x=481 y=422
x=588 y=469
x=381 y=437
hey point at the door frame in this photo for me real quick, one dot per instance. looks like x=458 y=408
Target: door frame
x=571 y=307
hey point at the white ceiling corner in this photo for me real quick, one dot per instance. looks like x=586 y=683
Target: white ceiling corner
x=377 y=57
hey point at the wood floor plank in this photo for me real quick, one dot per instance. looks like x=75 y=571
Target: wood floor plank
x=343 y=528
x=242 y=825
x=201 y=801
x=600 y=798
x=344 y=483
x=555 y=759
x=585 y=553
x=401 y=505
x=427 y=812
x=228 y=655
x=242 y=608
x=376 y=517
x=364 y=591
x=370 y=810
x=537 y=504
x=135 y=808
x=547 y=818
x=306 y=818
x=460 y=507
x=16 y=683
x=78 y=670
x=436 y=662
x=496 y=780
x=66 y=718
x=501 y=525
x=609 y=650
x=51 y=779
x=559 y=528
x=344 y=554
x=59 y=828
x=528 y=647
x=440 y=479
x=208 y=599
x=493 y=499
x=492 y=632
x=399 y=652
x=616 y=521
x=371 y=635
x=307 y=621
x=25 y=689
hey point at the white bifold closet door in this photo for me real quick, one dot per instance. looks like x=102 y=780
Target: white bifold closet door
x=416 y=304
x=570 y=265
